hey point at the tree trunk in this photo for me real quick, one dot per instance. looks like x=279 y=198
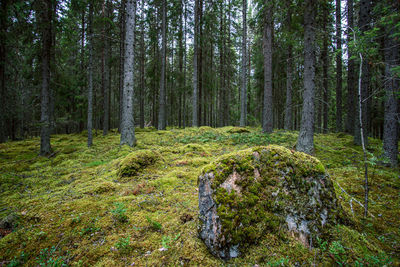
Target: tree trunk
x=106 y=67
x=121 y=58
x=339 y=120
x=391 y=129
x=142 y=68
x=267 y=124
x=90 y=78
x=305 y=142
x=243 y=95
x=161 y=102
x=351 y=95
x=3 y=36
x=46 y=21
x=325 y=66
x=195 y=119
x=127 y=124
x=288 y=104
x=364 y=20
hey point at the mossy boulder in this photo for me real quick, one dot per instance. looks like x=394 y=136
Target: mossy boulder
x=136 y=161
x=235 y=130
x=245 y=195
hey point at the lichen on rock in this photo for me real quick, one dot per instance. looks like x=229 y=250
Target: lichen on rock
x=244 y=195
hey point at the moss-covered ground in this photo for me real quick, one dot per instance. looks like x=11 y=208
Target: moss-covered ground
x=80 y=207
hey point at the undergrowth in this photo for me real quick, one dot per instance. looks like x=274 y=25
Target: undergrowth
x=74 y=209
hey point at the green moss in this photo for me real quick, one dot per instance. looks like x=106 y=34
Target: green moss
x=135 y=162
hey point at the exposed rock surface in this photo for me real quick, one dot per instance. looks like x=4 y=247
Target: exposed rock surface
x=246 y=194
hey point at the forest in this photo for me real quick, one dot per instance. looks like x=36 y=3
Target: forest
x=199 y=133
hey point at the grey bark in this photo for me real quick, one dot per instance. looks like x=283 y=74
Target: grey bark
x=339 y=120
x=305 y=142
x=288 y=103
x=121 y=58
x=325 y=66
x=3 y=36
x=127 y=123
x=267 y=122
x=351 y=92
x=161 y=101
x=364 y=20
x=142 y=68
x=90 y=78
x=46 y=14
x=391 y=127
x=243 y=95
x=195 y=117
x=106 y=71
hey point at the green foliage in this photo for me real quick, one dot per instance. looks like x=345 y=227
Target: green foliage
x=123 y=244
x=339 y=253
x=48 y=258
x=119 y=212
x=167 y=240
x=156 y=226
x=18 y=260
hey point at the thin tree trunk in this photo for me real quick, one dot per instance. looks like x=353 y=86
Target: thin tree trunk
x=46 y=21
x=195 y=117
x=121 y=58
x=142 y=68
x=267 y=124
x=339 y=120
x=127 y=124
x=161 y=101
x=351 y=92
x=325 y=66
x=3 y=36
x=391 y=129
x=90 y=78
x=364 y=20
x=106 y=67
x=243 y=95
x=305 y=142
x=288 y=104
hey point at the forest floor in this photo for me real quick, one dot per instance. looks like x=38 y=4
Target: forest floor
x=74 y=208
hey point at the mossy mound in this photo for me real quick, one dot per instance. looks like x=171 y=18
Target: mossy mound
x=247 y=194
x=135 y=162
x=238 y=130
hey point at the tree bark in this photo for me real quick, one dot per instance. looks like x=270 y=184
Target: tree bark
x=267 y=124
x=142 y=68
x=127 y=124
x=305 y=142
x=351 y=95
x=339 y=120
x=364 y=20
x=195 y=117
x=46 y=21
x=106 y=67
x=90 y=78
x=243 y=95
x=121 y=58
x=391 y=128
x=161 y=102
x=288 y=104
x=325 y=66
x=3 y=38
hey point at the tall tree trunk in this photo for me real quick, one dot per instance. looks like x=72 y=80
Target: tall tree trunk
x=391 y=128
x=90 y=78
x=3 y=38
x=351 y=92
x=121 y=58
x=267 y=123
x=325 y=66
x=288 y=104
x=106 y=66
x=364 y=20
x=243 y=95
x=46 y=21
x=142 y=69
x=221 y=66
x=339 y=120
x=195 y=117
x=127 y=124
x=305 y=142
x=180 y=63
x=161 y=102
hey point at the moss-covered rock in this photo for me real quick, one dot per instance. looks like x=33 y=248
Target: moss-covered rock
x=234 y=130
x=136 y=161
x=244 y=195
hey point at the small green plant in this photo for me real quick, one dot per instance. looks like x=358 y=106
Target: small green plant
x=48 y=258
x=167 y=240
x=323 y=245
x=119 y=213
x=337 y=250
x=123 y=244
x=90 y=228
x=156 y=226
x=278 y=262
x=18 y=260
x=374 y=260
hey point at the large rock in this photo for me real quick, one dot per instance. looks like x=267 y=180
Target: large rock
x=246 y=194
